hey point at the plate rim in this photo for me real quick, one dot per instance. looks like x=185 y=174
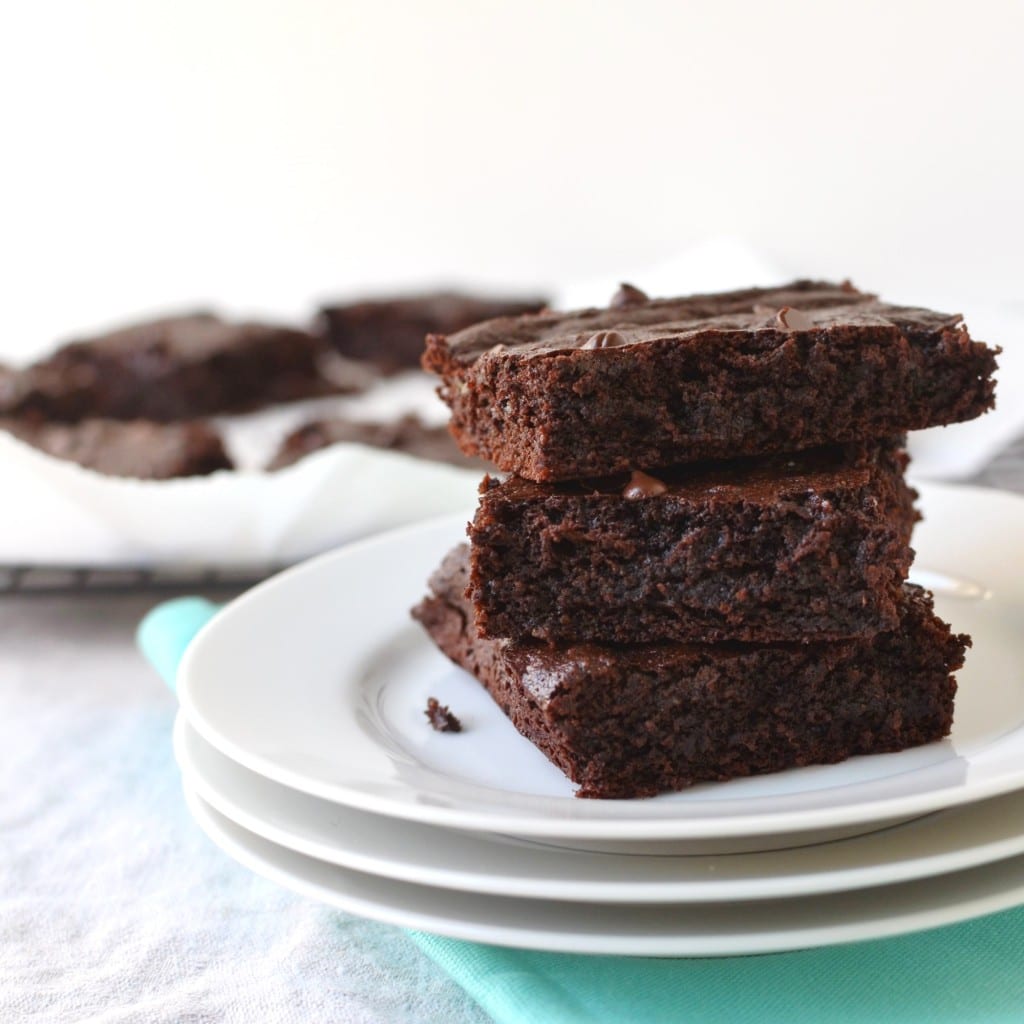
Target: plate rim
x=621 y=890
x=934 y=914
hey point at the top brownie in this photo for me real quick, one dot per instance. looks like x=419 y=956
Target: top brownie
x=176 y=368
x=389 y=332
x=649 y=383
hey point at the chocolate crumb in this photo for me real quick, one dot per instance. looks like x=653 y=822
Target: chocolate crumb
x=440 y=717
x=790 y=319
x=628 y=295
x=643 y=486
x=604 y=339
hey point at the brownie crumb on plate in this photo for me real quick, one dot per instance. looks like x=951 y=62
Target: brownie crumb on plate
x=440 y=717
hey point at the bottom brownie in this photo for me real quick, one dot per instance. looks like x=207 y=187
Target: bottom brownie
x=633 y=721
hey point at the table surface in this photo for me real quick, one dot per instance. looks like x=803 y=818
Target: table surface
x=113 y=906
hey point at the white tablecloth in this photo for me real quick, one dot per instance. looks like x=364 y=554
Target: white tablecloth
x=113 y=906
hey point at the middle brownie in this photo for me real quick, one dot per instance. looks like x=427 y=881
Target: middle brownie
x=811 y=546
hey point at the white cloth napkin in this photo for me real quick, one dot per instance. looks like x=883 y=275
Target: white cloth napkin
x=56 y=513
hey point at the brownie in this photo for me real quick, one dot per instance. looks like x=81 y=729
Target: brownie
x=177 y=368
x=408 y=434
x=390 y=332
x=633 y=721
x=642 y=384
x=440 y=717
x=813 y=545
x=140 y=449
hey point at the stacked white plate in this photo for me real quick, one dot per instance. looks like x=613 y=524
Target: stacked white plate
x=306 y=755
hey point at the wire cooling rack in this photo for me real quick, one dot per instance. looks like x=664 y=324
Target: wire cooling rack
x=29 y=579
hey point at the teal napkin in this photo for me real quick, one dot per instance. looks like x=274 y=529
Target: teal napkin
x=168 y=629
x=960 y=973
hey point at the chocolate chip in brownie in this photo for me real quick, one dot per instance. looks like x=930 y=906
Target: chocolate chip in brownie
x=643 y=486
x=628 y=295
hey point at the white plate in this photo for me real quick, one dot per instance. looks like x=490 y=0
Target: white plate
x=317 y=679
x=707 y=929
x=936 y=844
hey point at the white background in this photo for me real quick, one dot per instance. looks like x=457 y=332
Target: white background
x=261 y=155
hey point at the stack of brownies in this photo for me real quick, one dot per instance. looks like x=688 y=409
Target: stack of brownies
x=695 y=568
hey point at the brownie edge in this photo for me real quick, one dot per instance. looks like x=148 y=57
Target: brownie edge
x=563 y=396
x=390 y=332
x=627 y=722
x=136 y=449
x=809 y=546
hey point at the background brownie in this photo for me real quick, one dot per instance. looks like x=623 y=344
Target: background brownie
x=144 y=450
x=176 y=368
x=635 y=721
x=390 y=332
x=809 y=546
x=408 y=434
x=652 y=383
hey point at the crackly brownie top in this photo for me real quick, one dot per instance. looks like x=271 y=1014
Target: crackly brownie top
x=761 y=479
x=442 y=311
x=633 y=319
x=187 y=338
